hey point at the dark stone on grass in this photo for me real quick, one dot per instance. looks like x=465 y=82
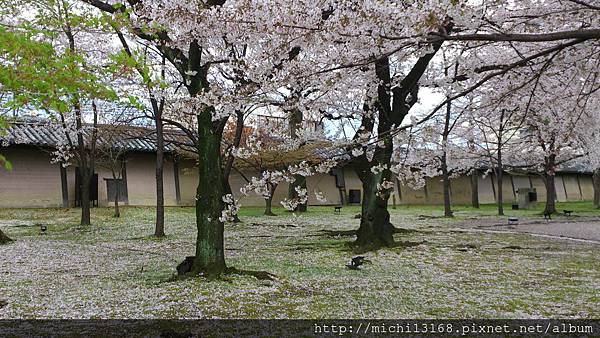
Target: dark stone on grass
x=3 y=303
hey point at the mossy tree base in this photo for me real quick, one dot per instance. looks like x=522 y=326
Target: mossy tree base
x=184 y=272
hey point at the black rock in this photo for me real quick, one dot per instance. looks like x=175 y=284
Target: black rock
x=185 y=266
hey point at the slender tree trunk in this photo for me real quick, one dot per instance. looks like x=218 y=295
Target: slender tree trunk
x=117 y=190
x=446 y=183
x=445 y=173
x=596 y=180
x=4 y=239
x=550 y=163
x=85 y=195
x=475 y=189
x=84 y=168
x=210 y=257
x=227 y=187
x=81 y=148
x=159 y=227
x=500 y=167
x=269 y=200
x=499 y=182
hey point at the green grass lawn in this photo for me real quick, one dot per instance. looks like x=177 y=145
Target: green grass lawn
x=114 y=269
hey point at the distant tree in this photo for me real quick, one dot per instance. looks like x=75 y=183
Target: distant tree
x=592 y=158
x=494 y=134
x=111 y=155
x=150 y=76
x=267 y=151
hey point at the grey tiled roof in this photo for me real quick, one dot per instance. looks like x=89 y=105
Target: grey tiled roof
x=49 y=134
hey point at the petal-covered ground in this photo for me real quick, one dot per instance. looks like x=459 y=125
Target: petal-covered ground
x=114 y=269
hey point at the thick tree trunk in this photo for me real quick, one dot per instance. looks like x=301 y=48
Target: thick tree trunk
x=4 y=239
x=300 y=181
x=446 y=184
x=268 y=206
x=295 y=123
x=159 y=227
x=375 y=229
x=269 y=201
x=475 y=189
x=550 y=186
x=210 y=257
x=596 y=179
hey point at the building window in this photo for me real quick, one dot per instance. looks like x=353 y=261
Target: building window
x=111 y=190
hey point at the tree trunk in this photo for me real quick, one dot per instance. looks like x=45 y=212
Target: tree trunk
x=159 y=227
x=85 y=196
x=445 y=173
x=4 y=239
x=550 y=186
x=499 y=183
x=375 y=229
x=596 y=179
x=269 y=201
x=239 y=129
x=300 y=181
x=210 y=257
x=475 y=189
x=446 y=184
x=117 y=193
x=295 y=123
x=227 y=187
x=500 y=167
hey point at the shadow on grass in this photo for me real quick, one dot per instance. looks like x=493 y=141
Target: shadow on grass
x=350 y=233
x=230 y=271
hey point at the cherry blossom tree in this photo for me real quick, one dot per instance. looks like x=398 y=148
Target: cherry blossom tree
x=149 y=81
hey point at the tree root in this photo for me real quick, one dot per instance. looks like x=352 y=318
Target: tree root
x=184 y=271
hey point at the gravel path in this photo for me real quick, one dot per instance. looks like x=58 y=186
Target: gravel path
x=580 y=228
